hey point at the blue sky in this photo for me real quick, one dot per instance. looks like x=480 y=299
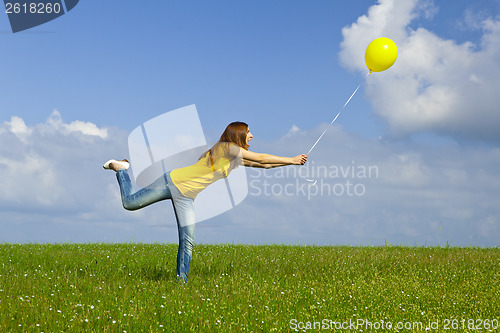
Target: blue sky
x=74 y=88
x=244 y=60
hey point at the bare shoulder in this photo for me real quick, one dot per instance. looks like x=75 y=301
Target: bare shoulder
x=228 y=149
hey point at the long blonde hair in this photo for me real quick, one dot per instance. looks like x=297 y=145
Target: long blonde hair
x=235 y=132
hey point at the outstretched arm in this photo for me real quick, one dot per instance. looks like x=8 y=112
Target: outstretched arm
x=253 y=164
x=261 y=160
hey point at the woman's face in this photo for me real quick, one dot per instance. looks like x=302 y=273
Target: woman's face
x=249 y=135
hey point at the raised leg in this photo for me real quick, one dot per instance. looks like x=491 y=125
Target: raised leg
x=157 y=191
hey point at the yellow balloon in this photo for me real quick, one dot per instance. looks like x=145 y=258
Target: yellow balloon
x=381 y=54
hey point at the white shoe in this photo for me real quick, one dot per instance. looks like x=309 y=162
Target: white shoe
x=123 y=163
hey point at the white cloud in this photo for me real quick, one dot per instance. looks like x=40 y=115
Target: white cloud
x=418 y=194
x=436 y=84
x=54 y=124
x=55 y=121
x=17 y=126
x=53 y=188
x=32 y=174
x=43 y=190
x=405 y=170
x=294 y=130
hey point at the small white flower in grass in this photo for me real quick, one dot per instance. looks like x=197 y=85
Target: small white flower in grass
x=180 y=312
x=114 y=321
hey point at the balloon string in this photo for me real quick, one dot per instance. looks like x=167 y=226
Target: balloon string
x=338 y=114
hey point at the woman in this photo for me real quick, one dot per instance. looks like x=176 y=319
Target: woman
x=184 y=184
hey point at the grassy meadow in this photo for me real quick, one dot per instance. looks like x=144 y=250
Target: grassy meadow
x=240 y=288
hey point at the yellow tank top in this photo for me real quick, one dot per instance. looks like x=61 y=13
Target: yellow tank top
x=216 y=164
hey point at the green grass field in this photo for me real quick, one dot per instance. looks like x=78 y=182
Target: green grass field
x=233 y=288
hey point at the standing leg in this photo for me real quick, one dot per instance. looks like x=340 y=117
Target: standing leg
x=157 y=191
x=184 y=213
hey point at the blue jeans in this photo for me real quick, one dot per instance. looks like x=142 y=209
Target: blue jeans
x=163 y=189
